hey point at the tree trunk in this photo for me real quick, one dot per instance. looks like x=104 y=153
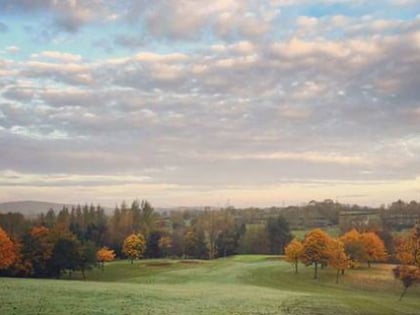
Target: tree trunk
x=368 y=264
x=403 y=293
x=316 y=271
x=338 y=274
x=131 y=260
x=296 y=267
x=342 y=271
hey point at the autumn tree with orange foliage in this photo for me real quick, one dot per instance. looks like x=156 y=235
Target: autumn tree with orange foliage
x=293 y=251
x=337 y=257
x=408 y=252
x=354 y=247
x=105 y=255
x=315 y=249
x=374 y=247
x=7 y=250
x=363 y=247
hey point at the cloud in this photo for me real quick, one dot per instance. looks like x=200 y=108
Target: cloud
x=58 y=56
x=66 y=15
x=215 y=98
x=10 y=177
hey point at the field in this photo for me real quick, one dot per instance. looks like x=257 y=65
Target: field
x=237 y=285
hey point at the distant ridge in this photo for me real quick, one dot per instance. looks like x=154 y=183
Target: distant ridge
x=30 y=208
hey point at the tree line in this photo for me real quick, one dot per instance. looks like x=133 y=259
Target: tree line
x=78 y=238
x=351 y=249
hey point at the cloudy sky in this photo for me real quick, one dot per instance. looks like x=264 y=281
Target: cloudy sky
x=258 y=102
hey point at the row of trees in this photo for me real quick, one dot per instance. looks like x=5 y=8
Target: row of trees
x=351 y=249
x=354 y=248
x=77 y=238
x=45 y=252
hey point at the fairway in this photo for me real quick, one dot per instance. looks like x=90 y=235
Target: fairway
x=237 y=285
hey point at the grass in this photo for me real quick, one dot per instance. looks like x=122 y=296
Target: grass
x=247 y=284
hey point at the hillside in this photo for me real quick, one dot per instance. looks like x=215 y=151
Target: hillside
x=29 y=208
x=236 y=285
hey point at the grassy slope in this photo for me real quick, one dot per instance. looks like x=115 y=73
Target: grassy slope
x=238 y=285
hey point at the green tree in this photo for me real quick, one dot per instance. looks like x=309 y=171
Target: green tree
x=86 y=257
x=194 y=244
x=37 y=248
x=65 y=255
x=254 y=240
x=153 y=249
x=278 y=233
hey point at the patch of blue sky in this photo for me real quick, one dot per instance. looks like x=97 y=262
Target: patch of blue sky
x=350 y=9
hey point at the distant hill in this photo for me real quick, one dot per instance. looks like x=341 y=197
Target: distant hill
x=30 y=208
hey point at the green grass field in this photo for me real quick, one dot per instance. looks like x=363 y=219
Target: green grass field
x=237 y=285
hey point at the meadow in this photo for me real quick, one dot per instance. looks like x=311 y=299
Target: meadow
x=251 y=284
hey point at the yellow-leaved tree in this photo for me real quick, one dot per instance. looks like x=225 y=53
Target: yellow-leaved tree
x=104 y=255
x=134 y=246
x=7 y=250
x=293 y=251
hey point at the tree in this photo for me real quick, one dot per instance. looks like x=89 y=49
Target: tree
x=65 y=255
x=374 y=247
x=153 y=249
x=227 y=242
x=194 y=244
x=354 y=247
x=134 y=246
x=147 y=218
x=105 y=255
x=278 y=233
x=7 y=250
x=337 y=257
x=408 y=252
x=165 y=244
x=254 y=240
x=213 y=223
x=293 y=251
x=315 y=249
x=86 y=257
x=37 y=248
x=408 y=275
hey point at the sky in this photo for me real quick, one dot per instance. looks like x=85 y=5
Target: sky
x=223 y=102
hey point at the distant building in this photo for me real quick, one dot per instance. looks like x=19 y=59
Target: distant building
x=359 y=218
